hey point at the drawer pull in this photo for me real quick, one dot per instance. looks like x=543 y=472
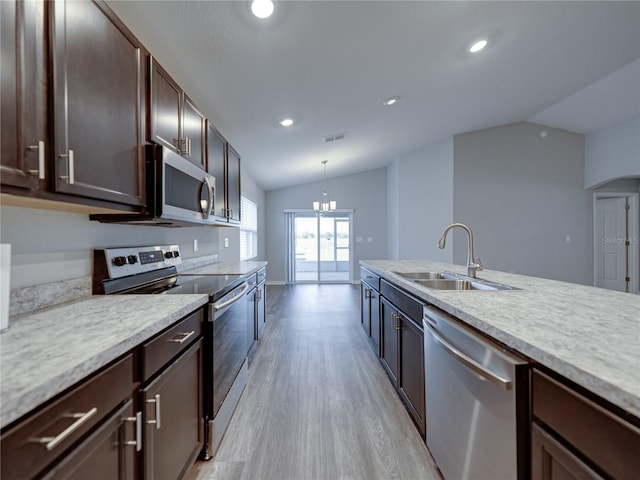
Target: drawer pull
x=155 y=400
x=138 y=441
x=181 y=337
x=53 y=442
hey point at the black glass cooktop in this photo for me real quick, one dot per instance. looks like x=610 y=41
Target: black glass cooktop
x=212 y=285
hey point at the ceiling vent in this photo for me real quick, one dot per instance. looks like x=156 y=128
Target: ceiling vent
x=334 y=137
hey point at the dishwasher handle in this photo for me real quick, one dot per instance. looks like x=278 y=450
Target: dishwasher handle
x=219 y=306
x=471 y=364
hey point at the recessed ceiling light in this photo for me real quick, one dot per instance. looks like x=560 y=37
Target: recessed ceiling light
x=286 y=122
x=476 y=47
x=262 y=8
x=391 y=100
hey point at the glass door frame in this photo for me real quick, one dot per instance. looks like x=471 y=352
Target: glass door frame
x=343 y=215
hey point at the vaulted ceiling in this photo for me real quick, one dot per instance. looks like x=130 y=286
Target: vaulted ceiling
x=330 y=64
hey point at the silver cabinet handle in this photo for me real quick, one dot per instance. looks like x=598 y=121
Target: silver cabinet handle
x=70 y=167
x=155 y=400
x=40 y=171
x=471 y=364
x=187 y=141
x=181 y=337
x=138 y=441
x=218 y=307
x=53 y=442
x=396 y=323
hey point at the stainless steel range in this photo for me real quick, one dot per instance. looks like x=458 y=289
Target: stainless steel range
x=153 y=270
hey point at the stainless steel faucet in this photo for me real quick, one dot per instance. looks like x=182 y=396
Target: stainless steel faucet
x=473 y=263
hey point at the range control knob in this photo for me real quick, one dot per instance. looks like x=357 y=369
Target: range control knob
x=119 y=261
x=168 y=254
x=132 y=259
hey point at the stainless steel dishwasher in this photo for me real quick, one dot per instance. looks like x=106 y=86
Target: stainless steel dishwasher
x=474 y=390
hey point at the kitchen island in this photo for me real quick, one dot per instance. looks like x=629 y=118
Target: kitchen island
x=586 y=334
x=575 y=408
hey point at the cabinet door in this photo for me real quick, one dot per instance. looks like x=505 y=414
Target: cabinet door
x=108 y=454
x=98 y=91
x=411 y=381
x=252 y=300
x=552 y=461
x=165 y=108
x=172 y=414
x=365 y=308
x=233 y=185
x=389 y=319
x=261 y=312
x=374 y=306
x=193 y=133
x=23 y=93
x=216 y=155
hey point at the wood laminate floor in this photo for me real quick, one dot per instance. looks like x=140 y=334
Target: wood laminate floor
x=318 y=404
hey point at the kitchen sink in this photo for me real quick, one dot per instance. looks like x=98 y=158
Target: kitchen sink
x=452 y=281
x=422 y=275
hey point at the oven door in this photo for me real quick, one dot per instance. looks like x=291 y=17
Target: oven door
x=185 y=192
x=228 y=322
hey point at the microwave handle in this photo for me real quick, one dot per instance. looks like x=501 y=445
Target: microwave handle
x=210 y=199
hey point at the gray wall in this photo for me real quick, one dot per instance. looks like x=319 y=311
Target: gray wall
x=48 y=246
x=421 y=202
x=612 y=152
x=523 y=196
x=366 y=193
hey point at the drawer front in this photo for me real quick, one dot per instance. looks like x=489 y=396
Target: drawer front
x=262 y=275
x=410 y=306
x=157 y=352
x=35 y=443
x=369 y=277
x=252 y=279
x=607 y=440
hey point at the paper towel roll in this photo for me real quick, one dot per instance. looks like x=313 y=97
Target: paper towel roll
x=5 y=276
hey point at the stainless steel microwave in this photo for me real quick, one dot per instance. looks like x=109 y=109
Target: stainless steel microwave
x=179 y=193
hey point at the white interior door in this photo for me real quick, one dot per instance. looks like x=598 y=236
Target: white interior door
x=611 y=248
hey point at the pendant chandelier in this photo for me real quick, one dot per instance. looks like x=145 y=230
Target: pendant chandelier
x=324 y=206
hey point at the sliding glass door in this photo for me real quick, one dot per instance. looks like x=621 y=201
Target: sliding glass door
x=321 y=247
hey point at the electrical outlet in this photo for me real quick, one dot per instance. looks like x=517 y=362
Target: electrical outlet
x=226 y=242
x=195 y=244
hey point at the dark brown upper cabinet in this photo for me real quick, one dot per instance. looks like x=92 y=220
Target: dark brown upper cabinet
x=72 y=104
x=24 y=95
x=174 y=120
x=98 y=92
x=223 y=162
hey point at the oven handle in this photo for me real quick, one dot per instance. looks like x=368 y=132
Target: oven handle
x=468 y=362
x=218 y=307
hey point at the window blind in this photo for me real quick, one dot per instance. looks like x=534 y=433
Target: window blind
x=248 y=229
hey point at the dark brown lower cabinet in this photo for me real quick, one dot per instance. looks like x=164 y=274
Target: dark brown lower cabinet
x=172 y=416
x=411 y=382
x=552 y=461
x=389 y=319
x=575 y=435
x=108 y=454
x=402 y=356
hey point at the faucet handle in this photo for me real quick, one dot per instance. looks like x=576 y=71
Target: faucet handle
x=478 y=263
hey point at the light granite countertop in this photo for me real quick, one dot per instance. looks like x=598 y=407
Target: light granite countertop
x=227 y=268
x=49 y=350
x=589 y=335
